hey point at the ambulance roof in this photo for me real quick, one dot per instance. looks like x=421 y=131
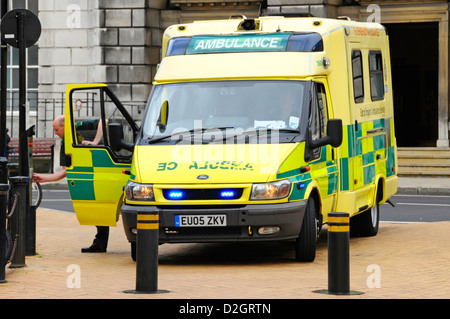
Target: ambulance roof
x=264 y=24
x=291 y=47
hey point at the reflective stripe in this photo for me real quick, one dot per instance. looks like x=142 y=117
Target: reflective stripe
x=147 y=221
x=148 y=217
x=338 y=228
x=333 y=219
x=147 y=225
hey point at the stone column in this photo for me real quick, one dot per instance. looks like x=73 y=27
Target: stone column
x=443 y=106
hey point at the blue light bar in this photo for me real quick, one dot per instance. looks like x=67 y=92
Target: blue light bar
x=176 y=194
x=227 y=194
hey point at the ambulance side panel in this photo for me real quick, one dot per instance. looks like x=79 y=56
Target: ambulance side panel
x=368 y=152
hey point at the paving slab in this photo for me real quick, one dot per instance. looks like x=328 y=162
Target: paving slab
x=402 y=261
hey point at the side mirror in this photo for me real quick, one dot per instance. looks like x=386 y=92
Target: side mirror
x=334 y=132
x=163 y=116
x=116 y=139
x=334 y=135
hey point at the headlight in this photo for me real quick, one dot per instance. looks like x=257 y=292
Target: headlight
x=135 y=191
x=275 y=190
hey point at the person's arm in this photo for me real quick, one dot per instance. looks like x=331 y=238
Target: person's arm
x=98 y=135
x=39 y=178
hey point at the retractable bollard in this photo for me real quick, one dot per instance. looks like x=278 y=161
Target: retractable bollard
x=17 y=222
x=4 y=188
x=339 y=255
x=147 y=241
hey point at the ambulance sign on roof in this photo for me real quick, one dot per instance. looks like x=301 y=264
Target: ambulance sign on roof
x=238 y=43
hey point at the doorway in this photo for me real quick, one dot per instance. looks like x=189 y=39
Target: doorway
x=415 y=62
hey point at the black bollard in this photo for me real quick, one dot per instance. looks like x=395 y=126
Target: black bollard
x=4 y=188
x=339 y=255
x=13 y=169
x=147 y=241
x=17 y=222
x=30 y=249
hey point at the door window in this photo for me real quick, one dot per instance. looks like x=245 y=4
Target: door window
x=318 y=115
x=358 y=78
x=376 y=75
x=93 y=109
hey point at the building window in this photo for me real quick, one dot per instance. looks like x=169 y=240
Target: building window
x=32 y=63
x=376 y=75
x=358 y=78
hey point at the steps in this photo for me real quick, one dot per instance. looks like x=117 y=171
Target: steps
x=423 y=162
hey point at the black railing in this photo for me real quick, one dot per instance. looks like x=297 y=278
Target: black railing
x=43 y=109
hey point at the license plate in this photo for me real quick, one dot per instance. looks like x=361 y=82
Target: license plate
x=200 y=220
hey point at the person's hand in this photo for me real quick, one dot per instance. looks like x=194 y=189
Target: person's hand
x=38 y=178
x=87 y=143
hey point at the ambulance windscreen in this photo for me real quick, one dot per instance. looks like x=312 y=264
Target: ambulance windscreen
x=224 y=107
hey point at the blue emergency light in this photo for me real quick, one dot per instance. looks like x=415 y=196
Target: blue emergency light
x=176 y=194
x=227 y=194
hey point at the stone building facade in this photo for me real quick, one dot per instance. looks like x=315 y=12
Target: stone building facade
x=119 y=42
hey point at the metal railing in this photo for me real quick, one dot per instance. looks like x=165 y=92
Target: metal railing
x=42 y=110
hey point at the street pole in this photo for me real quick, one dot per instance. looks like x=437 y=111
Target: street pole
x=3 y=71
x=23 y=139
x=4 y=187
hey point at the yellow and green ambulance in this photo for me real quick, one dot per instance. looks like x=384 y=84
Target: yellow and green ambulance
x=255 y=129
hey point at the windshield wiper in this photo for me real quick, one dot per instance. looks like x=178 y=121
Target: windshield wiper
x=258 y=132
x=179 y=134
x=288 y=130
x=157 y=139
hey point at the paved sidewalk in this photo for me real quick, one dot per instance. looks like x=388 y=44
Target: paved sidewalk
x=403 y=260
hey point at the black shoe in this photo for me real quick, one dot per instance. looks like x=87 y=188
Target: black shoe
x=94 y=248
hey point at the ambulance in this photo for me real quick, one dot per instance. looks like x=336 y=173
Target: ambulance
x=255 y=130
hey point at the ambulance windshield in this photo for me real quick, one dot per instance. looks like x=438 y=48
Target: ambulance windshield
x=239 y=106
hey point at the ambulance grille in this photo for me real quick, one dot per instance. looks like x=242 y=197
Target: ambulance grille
x=202 y=194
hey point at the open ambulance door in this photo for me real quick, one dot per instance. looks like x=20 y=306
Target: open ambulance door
x=95 y=171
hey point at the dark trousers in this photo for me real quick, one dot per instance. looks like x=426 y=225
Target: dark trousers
x=101 y=238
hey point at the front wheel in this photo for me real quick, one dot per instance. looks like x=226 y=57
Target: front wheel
x=305 y=249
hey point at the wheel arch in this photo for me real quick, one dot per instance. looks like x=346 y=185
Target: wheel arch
x=314 y=192
x=380 y=190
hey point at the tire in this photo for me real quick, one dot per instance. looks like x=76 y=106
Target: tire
x=36 y=189
x=366 y=224
x=305 y=248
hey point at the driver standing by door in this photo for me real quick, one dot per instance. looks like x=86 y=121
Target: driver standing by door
x=100 y=242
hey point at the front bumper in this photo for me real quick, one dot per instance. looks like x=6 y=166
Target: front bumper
x=243 y=222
